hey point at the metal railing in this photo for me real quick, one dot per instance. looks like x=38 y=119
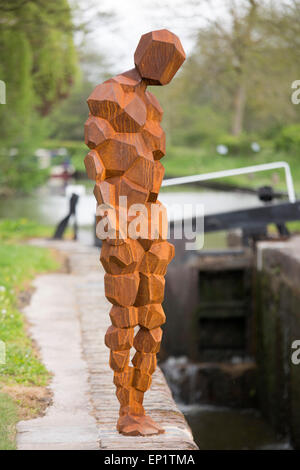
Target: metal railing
x=238 y=171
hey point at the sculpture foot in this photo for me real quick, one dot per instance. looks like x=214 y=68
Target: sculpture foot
x=134 y=425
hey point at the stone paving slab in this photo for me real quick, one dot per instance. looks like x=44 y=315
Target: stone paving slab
x=55 y=326
x=69 y=316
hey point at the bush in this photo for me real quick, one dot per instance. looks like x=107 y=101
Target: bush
x=289 y=138
x=197 y=125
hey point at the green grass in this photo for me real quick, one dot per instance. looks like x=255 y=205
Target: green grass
x=19 y=263
x=8 y=420
x=183 y=161
x=14 y=230
x=293 y=227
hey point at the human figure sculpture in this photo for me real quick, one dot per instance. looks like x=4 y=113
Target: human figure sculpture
x=126 y=144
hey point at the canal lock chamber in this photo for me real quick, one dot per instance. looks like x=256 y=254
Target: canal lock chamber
x=219 y=352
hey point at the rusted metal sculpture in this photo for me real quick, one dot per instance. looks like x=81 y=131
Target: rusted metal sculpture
x=127 y=142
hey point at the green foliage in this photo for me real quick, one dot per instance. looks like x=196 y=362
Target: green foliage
x=67 y=120
x=288 y=139
x=38 y=65
x=238 y=77
x=8 y=420
x=199 y=124
x=19 y=167
x=19 y=264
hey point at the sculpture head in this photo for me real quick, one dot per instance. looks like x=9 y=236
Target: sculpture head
x=158 y=56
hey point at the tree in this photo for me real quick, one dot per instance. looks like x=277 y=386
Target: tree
x=67 y=120
x=242 y=66
x=39 y=66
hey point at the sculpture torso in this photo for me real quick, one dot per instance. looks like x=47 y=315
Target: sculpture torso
x=125 y=130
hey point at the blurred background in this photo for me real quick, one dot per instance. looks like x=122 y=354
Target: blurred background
x=229 y=106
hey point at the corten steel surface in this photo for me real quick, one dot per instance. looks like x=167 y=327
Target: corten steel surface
x=127 y=142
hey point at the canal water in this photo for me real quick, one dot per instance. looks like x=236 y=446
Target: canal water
x=217 y=427
x=220 y=428
x=213 y=427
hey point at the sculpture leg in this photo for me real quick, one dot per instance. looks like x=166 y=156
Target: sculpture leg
x=133 y=420
x=136 y=297
x=150 y=317
x=147 y=344
x=131 y=382
x=119 y=338
x=121 y=288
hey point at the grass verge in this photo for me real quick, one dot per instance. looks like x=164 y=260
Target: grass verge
x=8 y=420
x=15 y=230
x=22 y=375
